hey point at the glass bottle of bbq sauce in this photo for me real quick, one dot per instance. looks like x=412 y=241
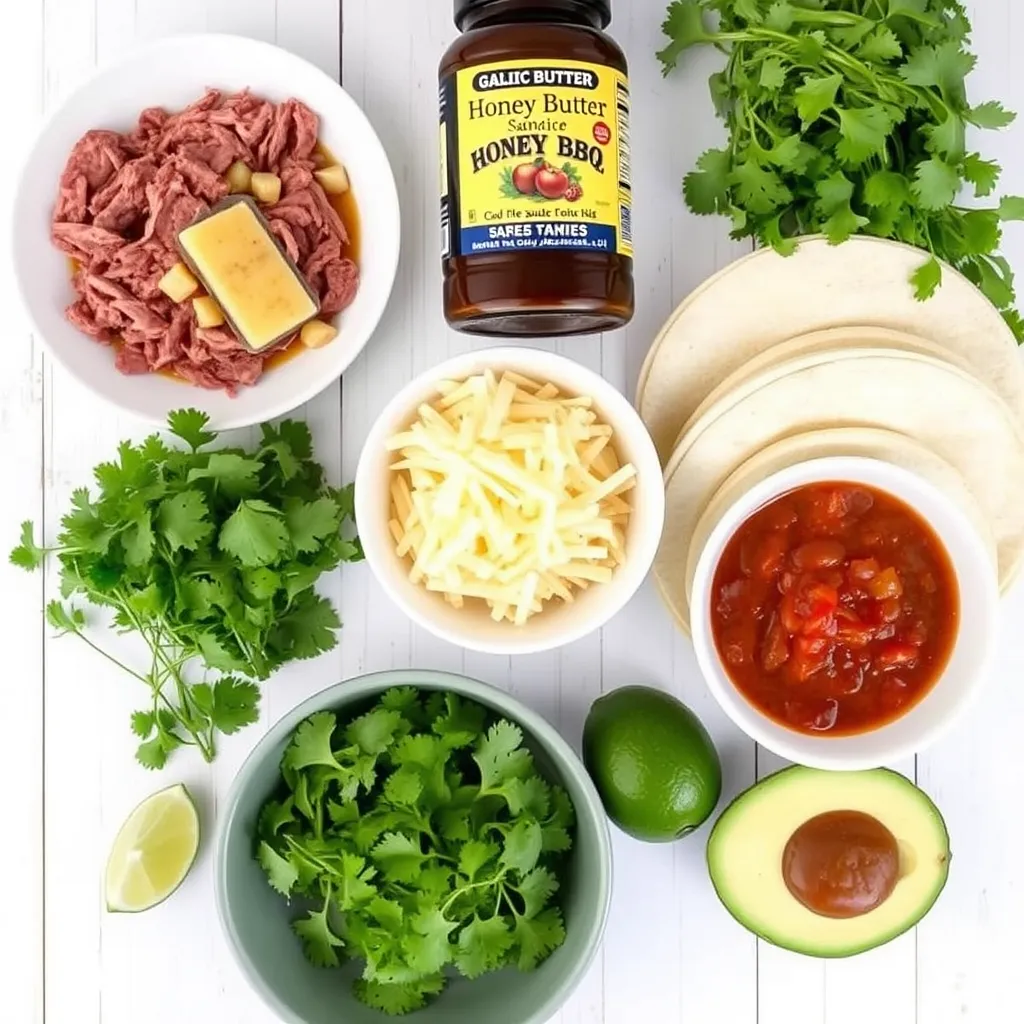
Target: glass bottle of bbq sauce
x=535 y=170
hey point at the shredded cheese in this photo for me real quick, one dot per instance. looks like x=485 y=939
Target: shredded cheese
x=506 y=491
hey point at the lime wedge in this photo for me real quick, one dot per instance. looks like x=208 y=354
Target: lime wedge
x=153 y=851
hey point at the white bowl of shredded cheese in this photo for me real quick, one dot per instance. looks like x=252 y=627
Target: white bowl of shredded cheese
x=510 y=500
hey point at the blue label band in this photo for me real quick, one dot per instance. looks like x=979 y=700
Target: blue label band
x=547 y=234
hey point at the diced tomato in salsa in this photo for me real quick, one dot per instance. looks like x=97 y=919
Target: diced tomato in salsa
x=835 y=608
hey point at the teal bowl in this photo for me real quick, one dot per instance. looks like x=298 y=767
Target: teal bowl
x=257 y=921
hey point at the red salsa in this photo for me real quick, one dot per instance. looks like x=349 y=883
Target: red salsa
x=834 y=608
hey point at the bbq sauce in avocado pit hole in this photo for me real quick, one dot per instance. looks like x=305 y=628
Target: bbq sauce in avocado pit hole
x=535 y=172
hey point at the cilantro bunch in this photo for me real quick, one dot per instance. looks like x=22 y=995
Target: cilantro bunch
x=850 y=116
x=210 y=557
x=422 y=839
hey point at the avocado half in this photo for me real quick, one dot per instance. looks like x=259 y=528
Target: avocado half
x=747 y=843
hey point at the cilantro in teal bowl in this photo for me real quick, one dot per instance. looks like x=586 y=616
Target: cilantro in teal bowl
x=413 y=842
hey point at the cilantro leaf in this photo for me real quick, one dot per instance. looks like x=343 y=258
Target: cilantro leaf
x=398 y=857
x=537 y=937
x=834 y=192
x=880 y=46
x=1011 y=208
x=152 y=754
x=138 y=540
x=230 y=473
x=886 y=188
x=404 y=786
x=482 y=946
x=428 y=948
x=758 y=188
x=281 y=873
x=982 y=174
x=319 y=942
x=312 y=743
x=816 y=95
x=474 y=855
x=864 y=132
x=255 y=534
x=842 y=223
x=297 y=436
x=397 y=999
x=375 y=731
x=461 y=724
x=536 y=888
x=276 y=815
x=64 y=619
x=308 y=629
x=216 y=654
x=28 y=554
x=946 y=139
x=935 y=184
x=190 y=425
x=980 y=231
x=182 y=520
x=707 y=188
x=522 y=848
x=499 y=755
x=310 y=522
x=129 y=473
x=684 y=26
x=235 y=704
x=990 y=115
x=944 y=66
x=143 y=723
x=927 y=278
x=773 y=74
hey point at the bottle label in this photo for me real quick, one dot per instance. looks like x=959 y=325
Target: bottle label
x=535 y=155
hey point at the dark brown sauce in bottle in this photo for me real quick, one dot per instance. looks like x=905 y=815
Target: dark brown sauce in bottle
x=536 y=211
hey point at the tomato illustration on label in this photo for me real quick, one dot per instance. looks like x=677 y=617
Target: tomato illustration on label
x=542 y=182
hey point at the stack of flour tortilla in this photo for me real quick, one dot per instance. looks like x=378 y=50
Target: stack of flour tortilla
x=778 y=360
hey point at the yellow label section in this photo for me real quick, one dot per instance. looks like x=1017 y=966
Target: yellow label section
x=543 y=158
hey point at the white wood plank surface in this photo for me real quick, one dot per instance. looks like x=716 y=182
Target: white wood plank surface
x=671 y=955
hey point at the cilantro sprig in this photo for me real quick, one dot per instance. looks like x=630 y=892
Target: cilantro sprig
x=210 y=556
x=419 y=836
x=846 y=117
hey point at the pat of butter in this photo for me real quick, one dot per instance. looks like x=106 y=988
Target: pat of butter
x=243 y=269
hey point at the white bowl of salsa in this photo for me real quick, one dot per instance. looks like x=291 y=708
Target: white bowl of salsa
x=172 y=74
x=844 y=613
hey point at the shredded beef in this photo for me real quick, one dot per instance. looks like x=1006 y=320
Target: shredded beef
x=124 y=198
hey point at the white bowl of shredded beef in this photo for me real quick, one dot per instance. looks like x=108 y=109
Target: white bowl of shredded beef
x=138 y=153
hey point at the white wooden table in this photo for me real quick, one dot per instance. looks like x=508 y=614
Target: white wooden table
x=671 y=954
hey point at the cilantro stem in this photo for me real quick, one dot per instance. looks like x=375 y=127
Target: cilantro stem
x=462 y=890
x=187 y=713
x=99 y=650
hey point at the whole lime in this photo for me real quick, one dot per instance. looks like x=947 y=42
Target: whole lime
x=653 y=763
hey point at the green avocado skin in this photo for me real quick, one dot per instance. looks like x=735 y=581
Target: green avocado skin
x=653 y=763
x=782 y=789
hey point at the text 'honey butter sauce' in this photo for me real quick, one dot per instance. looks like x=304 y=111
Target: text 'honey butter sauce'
x=536 y=203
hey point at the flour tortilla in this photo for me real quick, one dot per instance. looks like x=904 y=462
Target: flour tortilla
x=943 y=408
x=765 y=298
x=755 y=372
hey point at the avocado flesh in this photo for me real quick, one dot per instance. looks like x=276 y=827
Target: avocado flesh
x=746 y=846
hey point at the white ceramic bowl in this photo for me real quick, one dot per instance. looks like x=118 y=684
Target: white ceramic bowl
x=172 y=73
x=968 y=664
x=471 y=626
